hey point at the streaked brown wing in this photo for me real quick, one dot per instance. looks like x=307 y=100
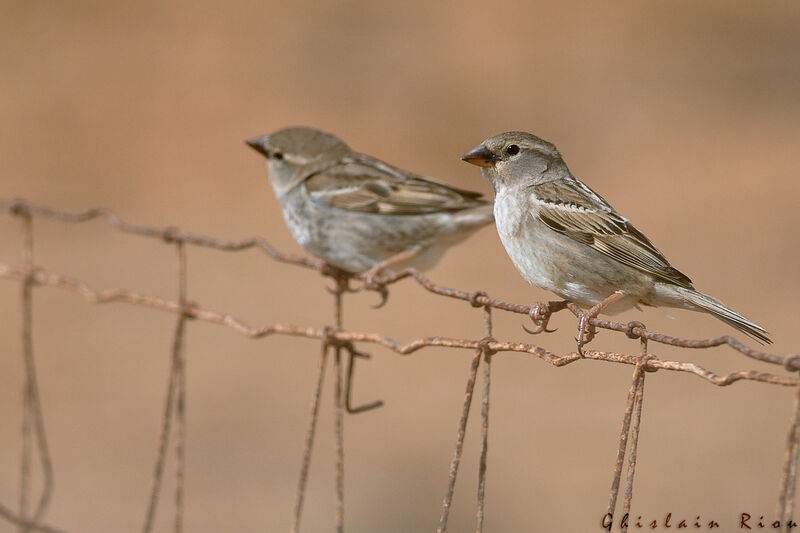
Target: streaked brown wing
x=573 y=209
x=366 y=185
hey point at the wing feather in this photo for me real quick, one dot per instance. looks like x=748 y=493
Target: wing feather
x=363 y=184
x=573 y=209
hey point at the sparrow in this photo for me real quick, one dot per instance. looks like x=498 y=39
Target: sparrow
x=360 y=214
x=564 y=237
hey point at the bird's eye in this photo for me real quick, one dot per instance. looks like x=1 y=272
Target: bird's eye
x=512 y=149
x=278 y=156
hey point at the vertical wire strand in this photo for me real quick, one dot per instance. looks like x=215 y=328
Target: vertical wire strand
x=33 y=417
x=180 y=407
x=169 y=410
x=341 y=287
x=623 y=440
x=487 y=377
x=166 y=428
x=27 y=349
x=789 y=478
x=339 y=432
x=462 y=429
x=8 y=514
x=634 y=447
x=309 y=441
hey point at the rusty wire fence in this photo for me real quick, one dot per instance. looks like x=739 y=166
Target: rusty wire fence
x=341 y=343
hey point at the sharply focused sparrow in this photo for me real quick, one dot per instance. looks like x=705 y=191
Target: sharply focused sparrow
x=564 y=237
x=358 y=213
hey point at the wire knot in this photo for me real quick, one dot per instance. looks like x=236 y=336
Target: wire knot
x=631 y=332
x=329 y=336
x=792 y=363
x=19 y=208
x=644 y=359
x=30 y=276
x=189 y=309
x=473 y=298
x=171 y=235
x=484 y=343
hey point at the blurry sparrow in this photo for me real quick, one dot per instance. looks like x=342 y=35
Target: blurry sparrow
x=564 y=237
x=358 y=213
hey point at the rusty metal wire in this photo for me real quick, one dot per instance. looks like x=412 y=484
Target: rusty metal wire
x=789 y=479
x=179 y=354
x=175 y=405
x=487 y=378
x=337 y=340
x=462 y=430
x=44 y=278
x=32 y=416
x=309 y=440
x=633 y=411
x=634 y=437
x=14 y=519
x=338 y=403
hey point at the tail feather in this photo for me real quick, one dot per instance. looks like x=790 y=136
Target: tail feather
x=729 y=316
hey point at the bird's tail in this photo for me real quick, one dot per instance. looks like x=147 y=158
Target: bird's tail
x=729 y=316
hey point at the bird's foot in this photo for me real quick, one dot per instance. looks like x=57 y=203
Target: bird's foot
x=340 y=277
x=373 y=278
x=540 y=316
x=587 y=330
x=373 y=281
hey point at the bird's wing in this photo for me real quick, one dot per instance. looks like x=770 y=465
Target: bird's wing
x=573 y=209
x=364 y=184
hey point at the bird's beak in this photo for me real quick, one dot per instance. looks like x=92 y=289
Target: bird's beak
x=480 y=156
x=258 y=144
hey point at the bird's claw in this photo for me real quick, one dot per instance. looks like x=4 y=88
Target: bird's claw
x=384 y=292
x=586 y=330
x=373 y=282
x=341 y=288
x=540 y=315
x=340 y=277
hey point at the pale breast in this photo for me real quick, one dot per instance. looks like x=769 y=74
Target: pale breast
x=299 y=221
x=552 y=261
x=526 y=248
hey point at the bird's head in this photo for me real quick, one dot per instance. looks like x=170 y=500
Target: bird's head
x=292 y=148
x=514 y=157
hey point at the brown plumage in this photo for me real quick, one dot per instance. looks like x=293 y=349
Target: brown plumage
x=564 y=237
x=357 y=212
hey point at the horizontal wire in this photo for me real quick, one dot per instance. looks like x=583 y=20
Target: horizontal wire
x=193 y=310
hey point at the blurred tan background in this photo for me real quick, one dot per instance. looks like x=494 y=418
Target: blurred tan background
x=684 y=115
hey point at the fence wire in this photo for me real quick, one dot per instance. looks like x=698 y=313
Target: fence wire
x=340 y=342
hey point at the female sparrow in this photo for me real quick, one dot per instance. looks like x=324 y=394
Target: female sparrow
x=358 y=213
x=564 y=237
